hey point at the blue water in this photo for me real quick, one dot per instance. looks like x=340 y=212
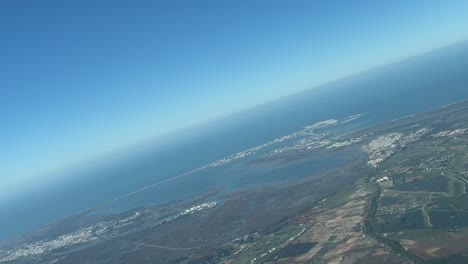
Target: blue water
x=416 y=85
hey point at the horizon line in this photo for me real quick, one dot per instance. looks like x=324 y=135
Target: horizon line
x=104 y=155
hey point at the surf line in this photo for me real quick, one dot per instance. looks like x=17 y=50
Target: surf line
x=142 y=189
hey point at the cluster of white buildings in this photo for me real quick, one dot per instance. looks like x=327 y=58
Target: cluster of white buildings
x=383 y=179
x=81 y=236
x=449 y=133
x=384 y=146
x=381 y=148
x=199 y=207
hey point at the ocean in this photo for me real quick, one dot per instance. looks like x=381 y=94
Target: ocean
x=415 y=85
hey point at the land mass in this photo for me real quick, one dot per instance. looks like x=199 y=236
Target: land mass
x=399 y=195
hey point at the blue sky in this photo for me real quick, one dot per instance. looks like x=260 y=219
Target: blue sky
x=79 y=79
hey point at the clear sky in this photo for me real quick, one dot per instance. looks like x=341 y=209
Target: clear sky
x=82 y=78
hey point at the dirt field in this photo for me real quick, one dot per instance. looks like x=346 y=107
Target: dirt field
x=429 y=244
x=339 y=237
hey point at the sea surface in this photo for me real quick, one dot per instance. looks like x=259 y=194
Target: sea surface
x=415 y=85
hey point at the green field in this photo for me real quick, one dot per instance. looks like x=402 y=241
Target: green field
x=349 y=194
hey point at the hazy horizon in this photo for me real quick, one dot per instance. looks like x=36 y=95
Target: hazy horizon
x=75 y=94
x=169 y=139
